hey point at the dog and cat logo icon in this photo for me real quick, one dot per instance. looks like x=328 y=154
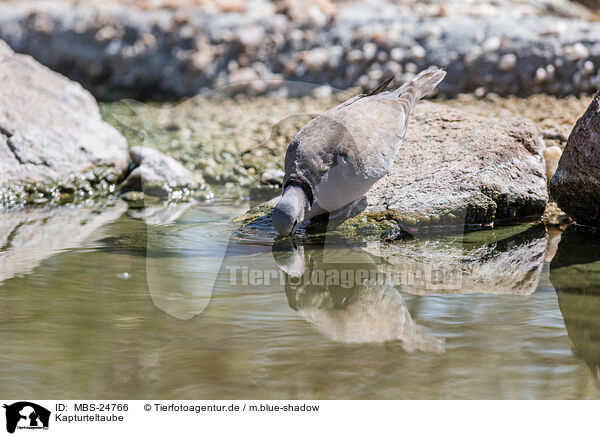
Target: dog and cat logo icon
x=26 y=415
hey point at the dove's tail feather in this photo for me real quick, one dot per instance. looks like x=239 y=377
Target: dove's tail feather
x=421 y=85
x=412 y=91
x=427 y=80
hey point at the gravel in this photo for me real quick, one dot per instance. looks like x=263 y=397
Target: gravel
x=117 y=50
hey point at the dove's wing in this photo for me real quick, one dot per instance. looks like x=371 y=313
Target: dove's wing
x=340 y=154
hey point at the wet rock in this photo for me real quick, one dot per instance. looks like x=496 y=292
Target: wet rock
x=575 y=185
x=53 y=141
x=160 y=175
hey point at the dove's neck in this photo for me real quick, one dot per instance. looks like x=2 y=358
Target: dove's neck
x=296 y=194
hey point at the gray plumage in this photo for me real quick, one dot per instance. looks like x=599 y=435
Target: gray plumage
x=338 y=156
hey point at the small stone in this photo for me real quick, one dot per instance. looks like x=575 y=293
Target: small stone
x=411 y=68
x=354 y=56
x=417 y=52
x=251 y=36
x=322 y=92
x=316 y=58
x=369 y=50
x=272 y=177
x=507 y=62
x=540 y=75
x=160 y=175
x=397 y=54
x=491 y=44
x=576 y=51
x=552 y=156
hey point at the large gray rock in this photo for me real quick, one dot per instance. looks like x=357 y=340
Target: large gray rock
x=52 y=138
x=575 y=185
x=455 y=167
x=160 y=175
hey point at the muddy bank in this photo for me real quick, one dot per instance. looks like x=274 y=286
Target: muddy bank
x=121 y=50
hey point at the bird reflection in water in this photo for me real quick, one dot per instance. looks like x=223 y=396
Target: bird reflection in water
x=340 y=290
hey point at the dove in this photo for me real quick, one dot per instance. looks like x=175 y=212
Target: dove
x=339 y=155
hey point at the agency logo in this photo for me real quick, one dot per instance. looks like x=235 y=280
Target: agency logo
x=26 y=415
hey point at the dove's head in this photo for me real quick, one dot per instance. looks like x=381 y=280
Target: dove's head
x=290 y=211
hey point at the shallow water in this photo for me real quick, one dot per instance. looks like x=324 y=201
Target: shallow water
x=121 y=301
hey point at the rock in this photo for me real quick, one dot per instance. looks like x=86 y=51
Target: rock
x=273 y=177
x=456 y=169
x=552 y=156
x=160 y=175
x=507 y=62
x=575 y=185
x=553 y=216
x=53 y=141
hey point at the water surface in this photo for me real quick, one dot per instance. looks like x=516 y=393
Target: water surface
x=173 y=302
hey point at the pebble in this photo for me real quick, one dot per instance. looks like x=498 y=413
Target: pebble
x=540 y=75
x=369 y=50
x=552 y=156
x=273 y=177
x=323 y=92
x=316 y=58
x=354 y=56
x=507 y=62
x=417 y=52
x=577 y=51
x=491 y=44
x=397 y=54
